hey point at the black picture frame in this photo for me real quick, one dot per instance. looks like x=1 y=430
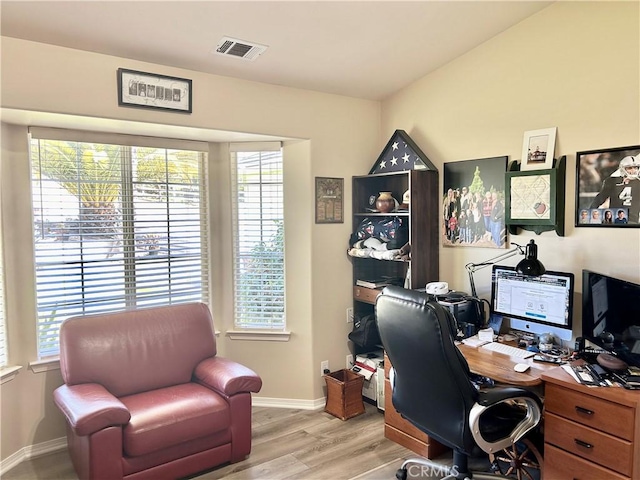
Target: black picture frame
x=154 y=91
x=329 y=200
x=477 y=176
x=603 y=192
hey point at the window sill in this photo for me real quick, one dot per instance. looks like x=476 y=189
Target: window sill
x=47 y=365
x=267 y=336
x=9 y=373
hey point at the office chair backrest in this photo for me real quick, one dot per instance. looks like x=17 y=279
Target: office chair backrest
x=432 y=388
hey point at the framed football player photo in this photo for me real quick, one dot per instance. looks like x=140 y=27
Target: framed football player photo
x=608 y=187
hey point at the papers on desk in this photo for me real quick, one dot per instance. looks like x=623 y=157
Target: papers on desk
x=474 y=341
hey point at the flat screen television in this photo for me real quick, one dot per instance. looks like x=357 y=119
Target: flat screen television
x=536 y=305
x=611 y=315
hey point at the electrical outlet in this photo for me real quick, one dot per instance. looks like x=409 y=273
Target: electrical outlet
x=324 y=367
x=350 y=315
x=349 y=362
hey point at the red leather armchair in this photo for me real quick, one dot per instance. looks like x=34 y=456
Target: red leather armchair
x=146 y=396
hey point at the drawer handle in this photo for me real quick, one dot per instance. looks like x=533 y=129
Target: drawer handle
x=584 y=410
x=582 y=443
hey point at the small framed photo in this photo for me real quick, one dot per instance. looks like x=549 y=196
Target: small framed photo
x=608 y=187
x=538 y=149
x=150 y=90
x=329 y=200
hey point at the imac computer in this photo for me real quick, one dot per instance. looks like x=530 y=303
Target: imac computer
x=611 y=315
x=535 y=305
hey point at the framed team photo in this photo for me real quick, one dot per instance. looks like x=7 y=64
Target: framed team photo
x=608 y=187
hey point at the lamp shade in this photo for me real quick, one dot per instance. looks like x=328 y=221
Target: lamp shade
x=531 y=265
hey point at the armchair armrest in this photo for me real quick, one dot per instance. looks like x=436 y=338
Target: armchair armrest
x=226 y=376
x=89 y=407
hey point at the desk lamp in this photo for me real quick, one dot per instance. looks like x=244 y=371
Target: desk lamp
x=530 y=265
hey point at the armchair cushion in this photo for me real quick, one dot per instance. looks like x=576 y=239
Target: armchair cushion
x=169 y=416
x=156 y=347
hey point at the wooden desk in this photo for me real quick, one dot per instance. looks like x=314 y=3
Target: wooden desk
x=590 y=432
x=499 y=366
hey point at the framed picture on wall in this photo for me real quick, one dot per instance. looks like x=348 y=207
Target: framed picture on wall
x=531 y=197
x=473 y=203
x=151 y=90
x=608 y=187
x=538 y=148
x=329 y=200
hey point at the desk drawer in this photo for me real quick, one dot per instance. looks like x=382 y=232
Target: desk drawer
x=367 y=295
x=560 y=465
x=593 y=412
x=601 y=448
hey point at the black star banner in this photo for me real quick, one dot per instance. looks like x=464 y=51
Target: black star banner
x=400 y=154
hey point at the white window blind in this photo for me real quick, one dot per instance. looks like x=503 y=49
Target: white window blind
x=258 y=236
x=115 y=227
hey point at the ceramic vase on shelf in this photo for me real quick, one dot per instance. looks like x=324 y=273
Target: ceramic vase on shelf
x=385 y=202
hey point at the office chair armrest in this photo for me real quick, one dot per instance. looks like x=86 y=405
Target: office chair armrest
x=492 y=396
x=487 y=400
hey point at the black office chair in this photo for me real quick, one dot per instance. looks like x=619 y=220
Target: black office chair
x=432 y=388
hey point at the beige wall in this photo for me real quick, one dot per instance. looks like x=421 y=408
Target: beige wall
x=574 y=65
x=338 y=136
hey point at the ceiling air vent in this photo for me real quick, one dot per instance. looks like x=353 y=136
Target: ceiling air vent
x=239 y=48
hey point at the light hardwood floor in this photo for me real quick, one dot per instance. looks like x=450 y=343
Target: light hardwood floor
x=287 y=444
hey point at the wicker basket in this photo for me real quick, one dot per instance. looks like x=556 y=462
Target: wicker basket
x=344 y=394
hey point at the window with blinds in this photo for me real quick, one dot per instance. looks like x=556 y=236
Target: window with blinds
x=258 y=236
x=115 y=227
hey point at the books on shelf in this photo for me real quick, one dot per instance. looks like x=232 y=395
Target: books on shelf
x=378 y=282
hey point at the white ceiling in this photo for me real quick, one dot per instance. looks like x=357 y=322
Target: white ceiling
x=366 y=49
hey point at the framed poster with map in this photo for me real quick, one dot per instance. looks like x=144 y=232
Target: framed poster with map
x=534 y=199
x=531 y=196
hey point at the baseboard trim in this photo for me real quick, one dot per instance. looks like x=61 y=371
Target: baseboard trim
x=316 y=404
x=32 y=451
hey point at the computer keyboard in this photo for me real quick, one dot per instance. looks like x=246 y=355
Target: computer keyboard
x=508 y=350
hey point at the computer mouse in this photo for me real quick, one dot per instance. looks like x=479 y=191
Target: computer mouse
x=521 y=367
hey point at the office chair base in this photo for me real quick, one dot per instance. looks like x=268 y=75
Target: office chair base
x=423 y=468
x=522 y=460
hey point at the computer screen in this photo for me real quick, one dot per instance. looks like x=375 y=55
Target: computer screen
x=543 y=304
x=611 y=314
